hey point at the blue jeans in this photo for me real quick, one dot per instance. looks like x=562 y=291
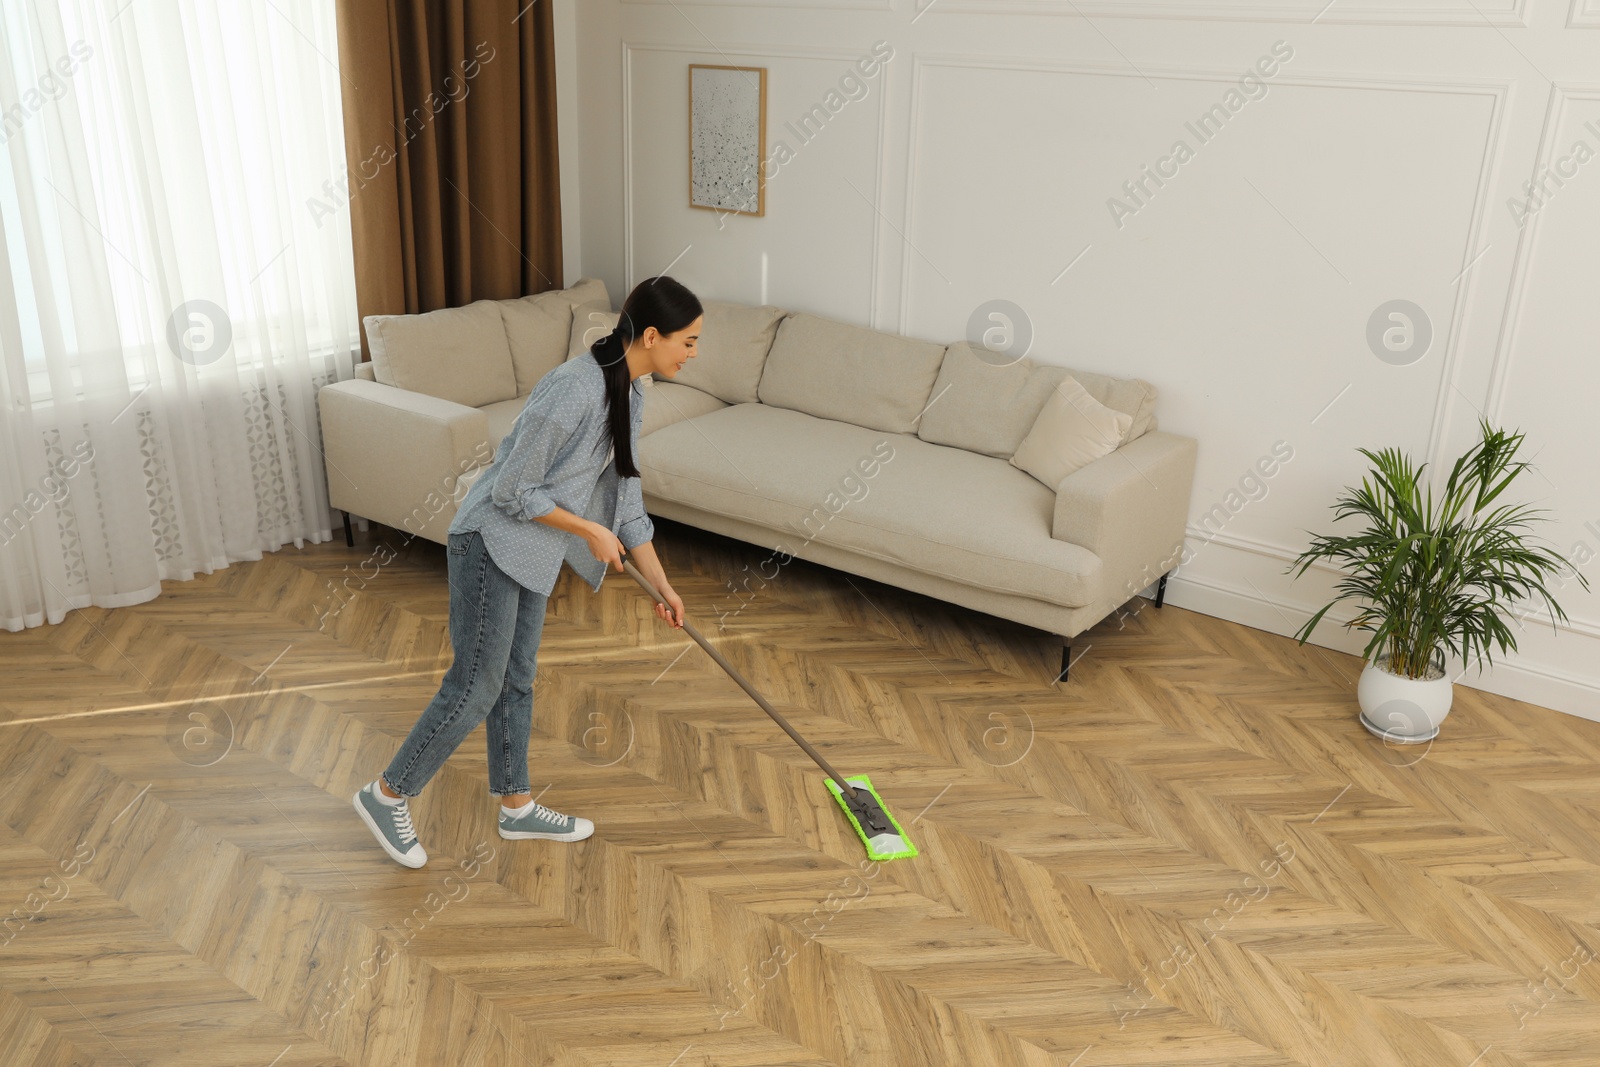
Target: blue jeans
x=495 y=625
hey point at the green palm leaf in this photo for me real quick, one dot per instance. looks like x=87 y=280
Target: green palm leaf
x=1431 y=577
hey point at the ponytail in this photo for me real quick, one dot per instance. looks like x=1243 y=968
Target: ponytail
x=669 y=307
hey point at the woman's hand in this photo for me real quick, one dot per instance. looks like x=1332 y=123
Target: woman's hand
x=606 y=546
x=675 y=616
x=644 y=557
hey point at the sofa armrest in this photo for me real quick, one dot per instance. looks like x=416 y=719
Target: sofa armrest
x=1130 y=508
x=398 y=457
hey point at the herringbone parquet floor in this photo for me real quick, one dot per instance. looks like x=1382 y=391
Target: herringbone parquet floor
x=1191 y=854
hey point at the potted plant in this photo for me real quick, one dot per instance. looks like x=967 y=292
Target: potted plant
x=1433 y=577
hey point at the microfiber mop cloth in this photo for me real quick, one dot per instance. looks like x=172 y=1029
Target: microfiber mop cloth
x=877 y=828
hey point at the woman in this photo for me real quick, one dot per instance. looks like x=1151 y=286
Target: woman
x=553 y=492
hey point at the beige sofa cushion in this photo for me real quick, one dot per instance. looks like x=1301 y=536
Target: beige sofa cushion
x=733 y=346
x=539 y=328
x=1072 y=431
x=883 y=495
x=984 y=407
x=668 y=402
x=458 y=354
x=501 y=416
x=587 y=291
x=590 y=322
x=836 y=371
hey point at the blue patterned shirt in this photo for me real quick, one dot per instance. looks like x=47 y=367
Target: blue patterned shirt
x=557 y=455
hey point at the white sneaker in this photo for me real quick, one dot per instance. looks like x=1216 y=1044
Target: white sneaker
x=391 y=825
x=539 y=822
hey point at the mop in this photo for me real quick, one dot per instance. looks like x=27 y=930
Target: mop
x=862 y=805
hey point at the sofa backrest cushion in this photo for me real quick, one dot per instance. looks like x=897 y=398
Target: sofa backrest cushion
x=590 y=322
x=732 y=350
x=458 y=354
x=539 y=328
x=587 y=291
x=982 y=403
x=850 y=374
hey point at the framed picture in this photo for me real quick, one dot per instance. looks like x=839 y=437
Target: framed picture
x=727 y=138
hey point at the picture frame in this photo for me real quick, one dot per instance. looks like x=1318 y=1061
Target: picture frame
x=727 y=139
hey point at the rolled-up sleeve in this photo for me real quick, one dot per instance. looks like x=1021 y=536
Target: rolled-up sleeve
x=634 y=527
x=521 y=485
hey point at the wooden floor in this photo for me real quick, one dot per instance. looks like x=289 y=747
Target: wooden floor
x=1190 y=854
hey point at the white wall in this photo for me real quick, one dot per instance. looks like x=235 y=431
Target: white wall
x=568 y=127
x=1375 y=164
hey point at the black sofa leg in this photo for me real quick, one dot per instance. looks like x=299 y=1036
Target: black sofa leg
x=349 y=534
x=1066 y=658
x=1161 y=589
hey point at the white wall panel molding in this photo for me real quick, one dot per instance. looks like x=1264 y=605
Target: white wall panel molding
x=1498 y=13
x=1585 y=14
x=1494 y=92
x=1286 y=555
x=1557 y=111
x=747 y=54
x=1282 y=553
x=775 y=5
x=1561 y=96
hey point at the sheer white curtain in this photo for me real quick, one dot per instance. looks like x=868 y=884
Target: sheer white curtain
x=175 y=284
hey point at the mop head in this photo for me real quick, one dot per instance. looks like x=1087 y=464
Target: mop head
x=874 y=825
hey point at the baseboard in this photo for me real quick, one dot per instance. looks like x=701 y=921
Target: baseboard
x=1544 y=686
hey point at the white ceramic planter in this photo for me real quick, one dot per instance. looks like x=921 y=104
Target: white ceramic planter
x=1407 y=711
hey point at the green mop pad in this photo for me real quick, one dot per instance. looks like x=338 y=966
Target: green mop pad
x=877 y=829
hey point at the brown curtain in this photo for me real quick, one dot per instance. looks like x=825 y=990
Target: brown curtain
x=450 y=137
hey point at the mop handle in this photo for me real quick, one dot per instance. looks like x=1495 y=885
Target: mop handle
x=688 y=627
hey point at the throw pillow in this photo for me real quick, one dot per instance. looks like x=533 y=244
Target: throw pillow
x=1072 y=431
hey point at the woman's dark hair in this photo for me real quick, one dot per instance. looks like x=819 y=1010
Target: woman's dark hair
x=660 y=302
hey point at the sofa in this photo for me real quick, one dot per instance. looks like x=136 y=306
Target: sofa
x=404 y=439
x=883 y=456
